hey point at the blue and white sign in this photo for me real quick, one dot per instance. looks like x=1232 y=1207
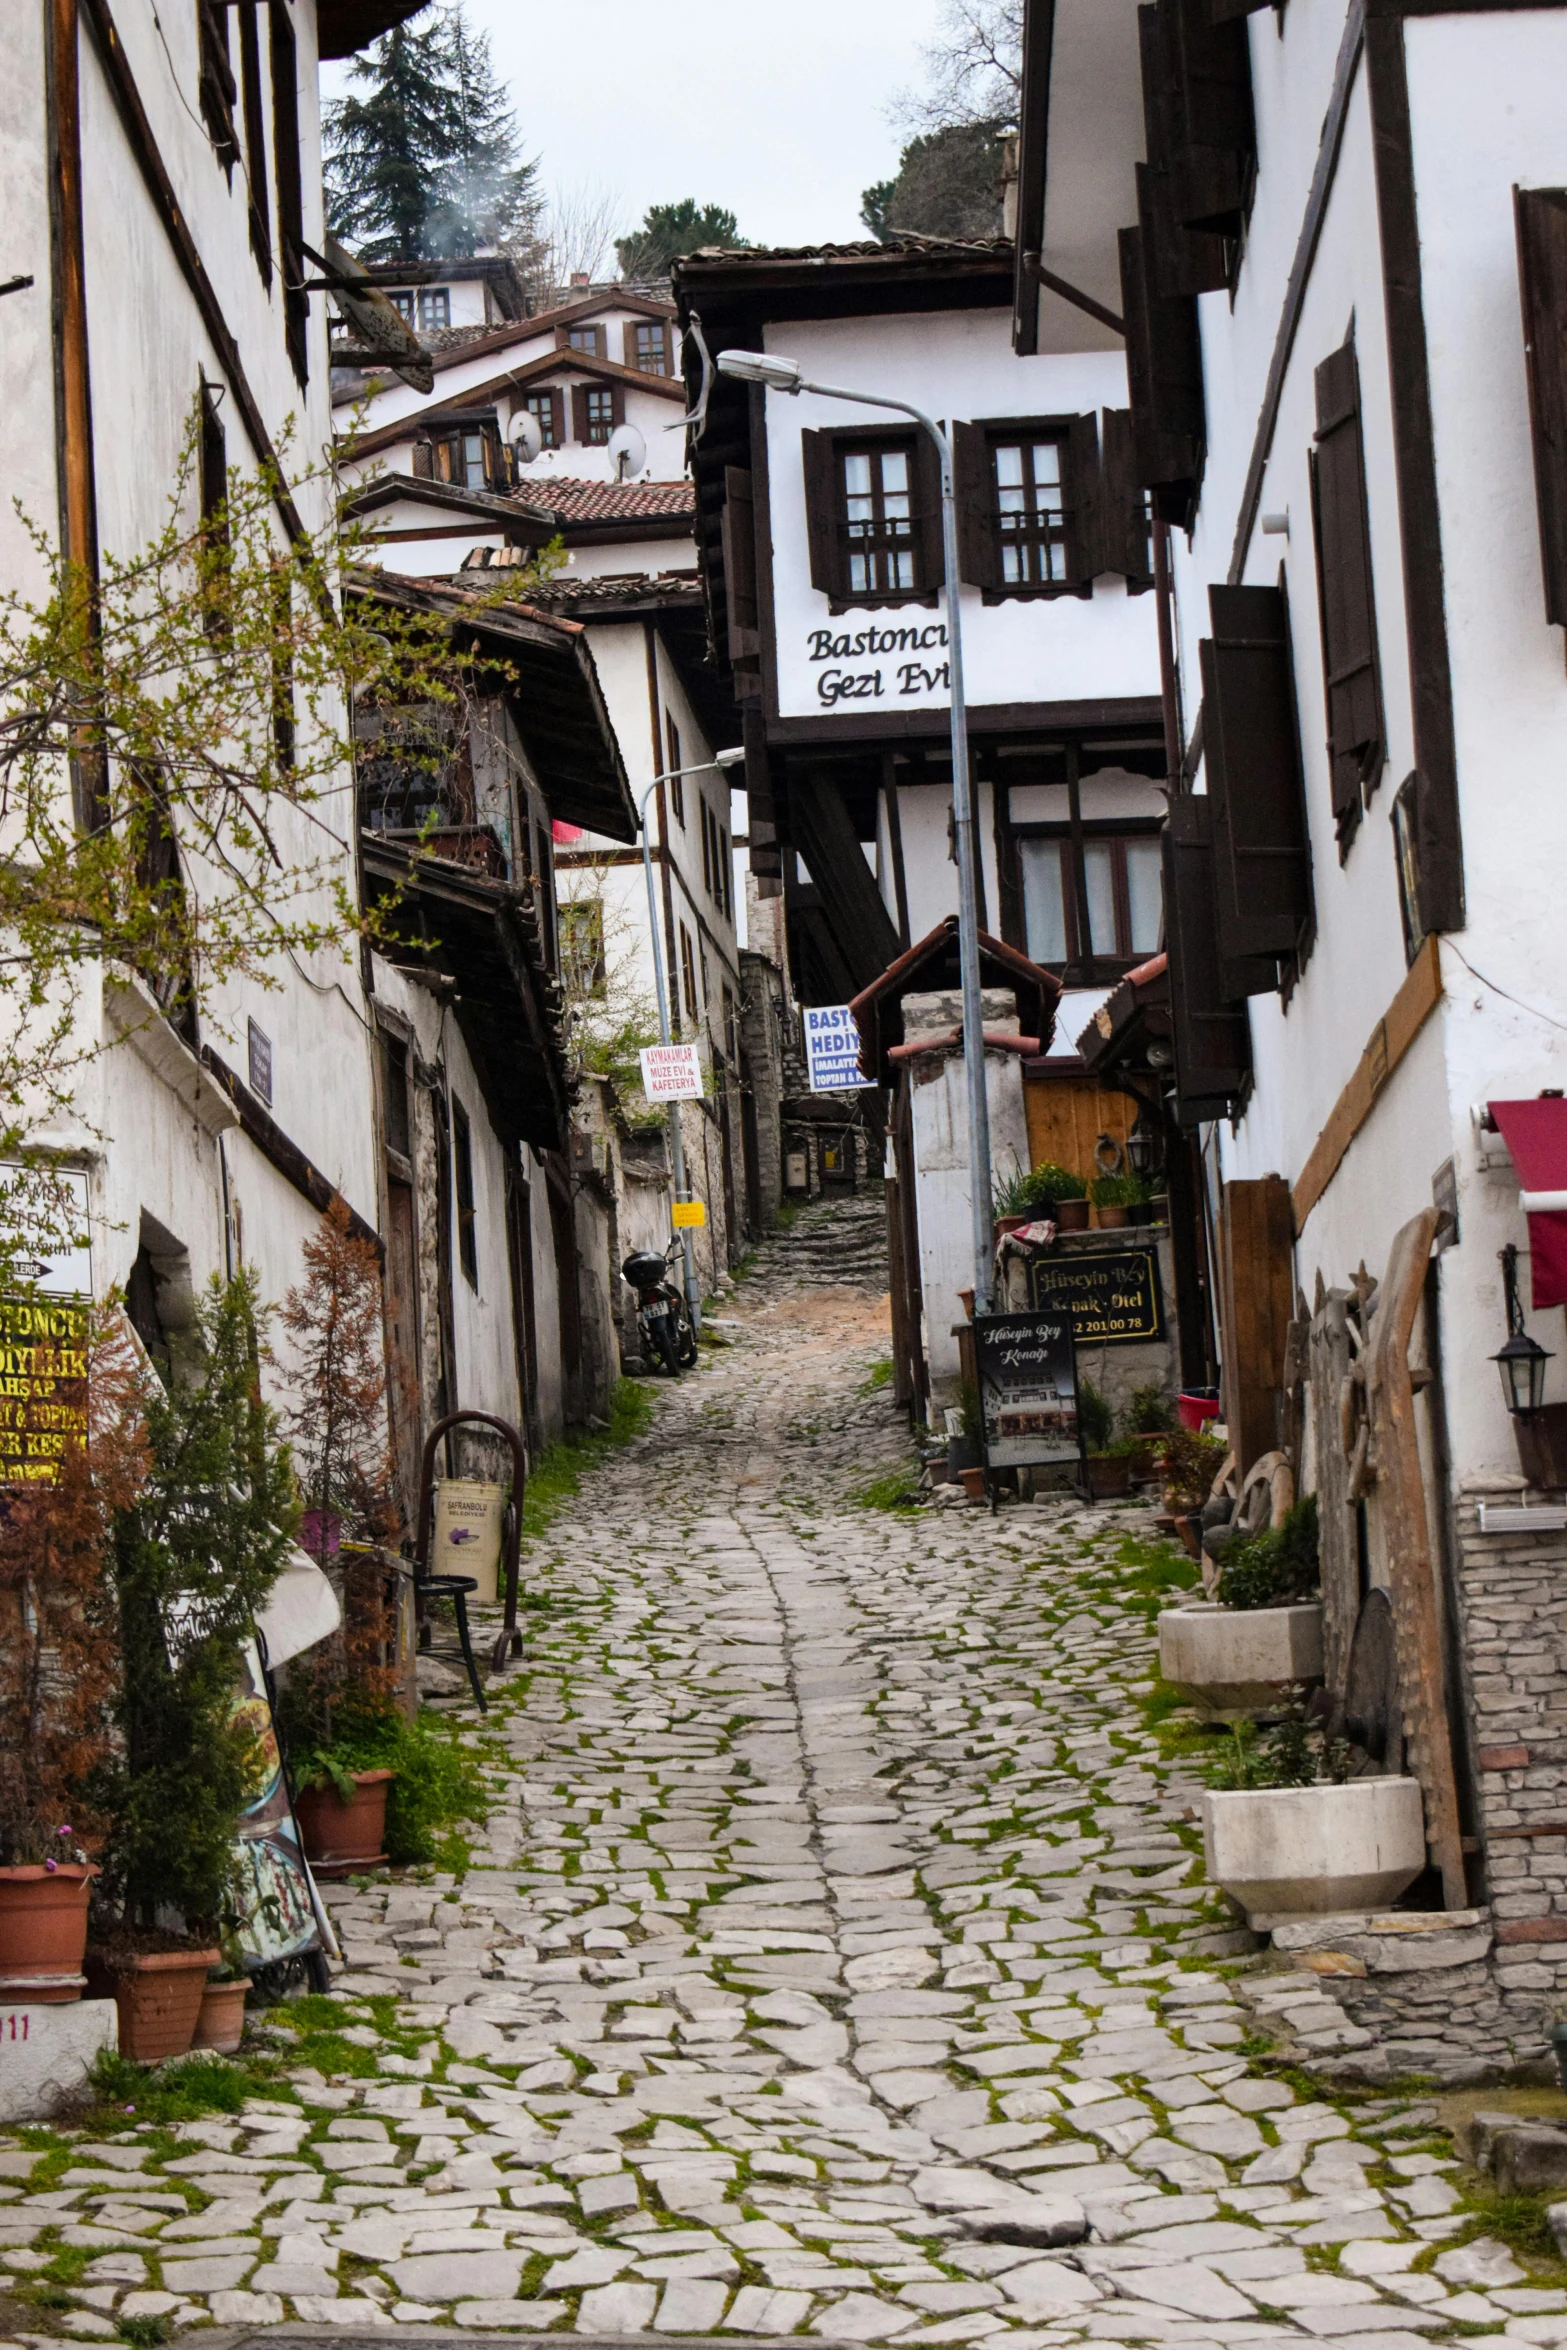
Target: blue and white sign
x=832 y=1049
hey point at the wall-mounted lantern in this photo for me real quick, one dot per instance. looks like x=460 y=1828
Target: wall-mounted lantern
x=1522 y=1360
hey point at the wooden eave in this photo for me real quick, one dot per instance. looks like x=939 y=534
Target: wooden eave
x=557 y=699
x=346 y=25
x=548 y=366
x=483 y=936
x=525 y=524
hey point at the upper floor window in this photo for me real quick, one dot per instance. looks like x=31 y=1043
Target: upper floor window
x=1030 y=509
x=873 y=516
x=586 y=338
x=435 y=309
x=1027 y=498
x=1121 y=898
x=545 y=409
x=597 y=409
x=403 y=304
x=468 y=455
x=647 y=346
x=582 y=945
x=467 y=1205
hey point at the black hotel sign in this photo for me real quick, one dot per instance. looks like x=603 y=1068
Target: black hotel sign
x=1113 y=1299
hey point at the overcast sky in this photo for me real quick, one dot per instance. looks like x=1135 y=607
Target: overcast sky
x=777 y=108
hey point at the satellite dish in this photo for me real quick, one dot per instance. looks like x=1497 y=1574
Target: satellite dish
x=627 y=452
x=526 y=439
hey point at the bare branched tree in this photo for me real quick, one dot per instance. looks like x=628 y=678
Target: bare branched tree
x=974 y=68
x=577 y=236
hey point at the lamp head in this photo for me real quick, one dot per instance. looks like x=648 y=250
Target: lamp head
x=733 y=757
x=1521 y=1365
x=762 y=367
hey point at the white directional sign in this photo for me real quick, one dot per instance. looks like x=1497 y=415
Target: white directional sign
x=832 y=1049
x=671 y=1073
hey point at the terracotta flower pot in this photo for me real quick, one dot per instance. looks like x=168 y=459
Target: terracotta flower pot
x=159 y=1998
x=1068 y=1215
x=973 y=1483
x=1109 y=1473
x=43 y=1932
x=221 y=2021
x=1114 y=1219
x=342 y=1837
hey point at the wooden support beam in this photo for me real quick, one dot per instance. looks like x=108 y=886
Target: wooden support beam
x=1386 y=1046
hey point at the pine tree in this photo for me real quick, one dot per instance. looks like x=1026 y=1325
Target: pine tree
x=427 y=164
x=668 y=230
x=386 y=152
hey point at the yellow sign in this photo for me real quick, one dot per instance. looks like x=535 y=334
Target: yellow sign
x=689 y=1215
x=43 y=1386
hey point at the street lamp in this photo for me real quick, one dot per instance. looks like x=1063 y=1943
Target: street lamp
x=676 y=1146
x=1522 y=1359
x=778 y=374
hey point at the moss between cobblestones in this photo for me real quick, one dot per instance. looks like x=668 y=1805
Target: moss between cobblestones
x=558 y=1472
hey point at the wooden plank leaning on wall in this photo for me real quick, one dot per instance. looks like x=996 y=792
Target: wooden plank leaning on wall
x=1256 y=1304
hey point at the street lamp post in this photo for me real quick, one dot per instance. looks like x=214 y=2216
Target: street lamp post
x=785 y=375
x=677 y=1153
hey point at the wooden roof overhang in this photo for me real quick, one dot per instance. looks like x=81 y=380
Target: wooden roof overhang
x=556 y=696
x=483 y=936
x=1129 y=1041
x=346 y=25
x=932 y=963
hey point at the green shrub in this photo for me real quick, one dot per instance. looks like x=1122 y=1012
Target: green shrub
x=1117 y=1191
x=1275 y=1567
x=1094 y=1416
x=437 y=1784
x=1033 y=1191
x=1150 y=1412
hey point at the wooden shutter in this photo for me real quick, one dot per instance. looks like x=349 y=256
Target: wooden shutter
x=1124 y=544
x=1212 y=1036
x=1222 y=11
x=555 y=401
x=1257 y=1304
x=1081 y=472
x=424 y=461
x=617 y=405
x=579 y=413
x=739 y=552
x=1180 y=260
x=973 y=484
x=1356 y=734
x=1541 y=219
x=925 y=481
x=819 y=460
x=1213 y=163
x=1261 y=856
x=1164 y=378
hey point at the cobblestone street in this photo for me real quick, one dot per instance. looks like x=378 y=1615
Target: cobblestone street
x=837 y=1962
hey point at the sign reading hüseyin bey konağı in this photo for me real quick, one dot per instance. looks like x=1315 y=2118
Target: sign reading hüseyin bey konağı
x=1026 y=1365
x=1114 y=1299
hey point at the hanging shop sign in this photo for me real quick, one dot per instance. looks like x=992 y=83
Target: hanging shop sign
x=1026 y=1366
x=671 y=1072
x=1114 y=1299
x=43 y=1331
x=832 y=1049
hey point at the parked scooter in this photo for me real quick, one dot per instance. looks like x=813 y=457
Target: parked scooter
x=661 y=1310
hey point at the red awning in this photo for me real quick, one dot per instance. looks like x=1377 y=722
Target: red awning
x=1535 y=1133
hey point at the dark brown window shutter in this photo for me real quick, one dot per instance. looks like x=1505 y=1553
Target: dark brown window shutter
x=1180 y=260
x=925 y=476
x=739 y=552
x=617 y=407
x=579 y=413
x=819 y=457
x=1541 y=218
x=1212 y=1035
x=1124 y=543
x=1164 y=378
x=1251 y=746
x=1356 y=735
x=973 y=485
x=1222 y=11
x=1081 y=472
x=1213 y=163
x=424 y=461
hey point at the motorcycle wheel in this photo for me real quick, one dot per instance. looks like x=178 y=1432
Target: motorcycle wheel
x=664 y=1340
x=686 y=1345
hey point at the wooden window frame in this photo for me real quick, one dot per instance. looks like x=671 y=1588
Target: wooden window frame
x=1115 y=831
x=212 y=491
x=981 y=539
x=631 y=335
x=591 y=349
x=1540 y=223
x=542 y=404
x=582 y=397
x=288 y=177
x=827 y=520
x=464 y=1201
x=426 y=298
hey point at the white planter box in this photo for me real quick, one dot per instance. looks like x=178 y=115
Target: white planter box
x=1236 y=1661
x=1307 y=1851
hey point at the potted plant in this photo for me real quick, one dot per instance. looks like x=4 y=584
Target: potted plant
x=337 y=1712
x=194 y=1559
x=1114 y=1197
x=1053 y=1191
x=1287 y=1832
x=1109 y=1472
x=1262 y=1640
x=58 y=1661
x=220 y=2019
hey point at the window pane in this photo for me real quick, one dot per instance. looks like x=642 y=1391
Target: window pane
x=895 y=473
x=1047 y=471
x=1145 y=895
x=857 y=476
x=1044 y=909
x=1009 y=467
x=1100 y=880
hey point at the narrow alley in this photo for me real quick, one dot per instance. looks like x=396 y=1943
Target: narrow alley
x=837 y=1960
